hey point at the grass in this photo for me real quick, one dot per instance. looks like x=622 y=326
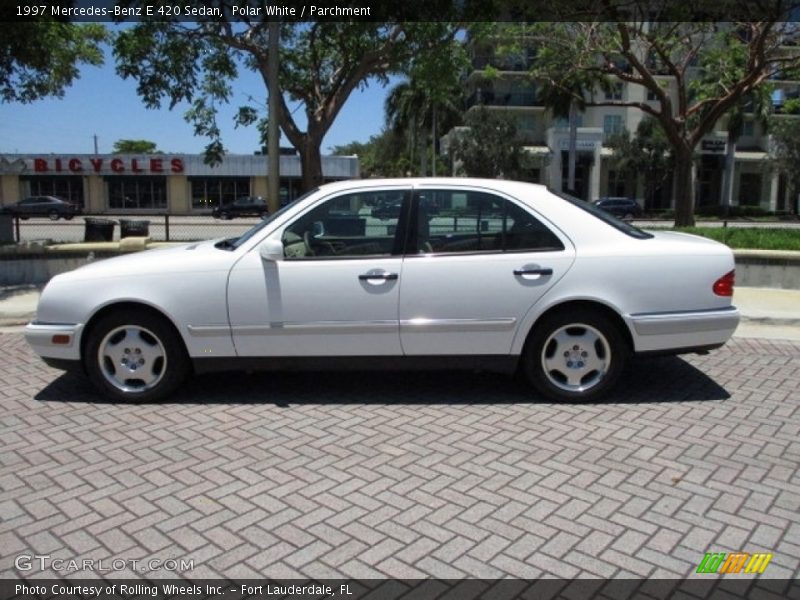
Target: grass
x=756 y=238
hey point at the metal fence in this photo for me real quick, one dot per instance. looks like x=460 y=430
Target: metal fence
x=162 y=228
x=172 y=228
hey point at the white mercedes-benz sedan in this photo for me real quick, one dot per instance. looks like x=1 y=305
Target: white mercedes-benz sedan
x=462 y=273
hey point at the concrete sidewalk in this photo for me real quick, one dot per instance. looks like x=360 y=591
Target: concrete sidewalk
x=766 y=312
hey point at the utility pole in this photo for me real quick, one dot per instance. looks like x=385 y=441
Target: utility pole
x=95 y=143
x=273 y=131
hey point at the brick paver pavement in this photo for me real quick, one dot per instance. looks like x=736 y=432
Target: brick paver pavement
x=408 y=475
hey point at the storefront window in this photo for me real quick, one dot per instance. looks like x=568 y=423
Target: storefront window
x=137 y=193
x=208 y=192
x=68 y=188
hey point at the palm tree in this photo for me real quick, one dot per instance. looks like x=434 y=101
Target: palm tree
x=413 y=108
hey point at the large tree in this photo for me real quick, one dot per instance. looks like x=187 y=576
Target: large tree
x=488 y=146
x=662 y=58
x=645 y=157
x=321 y=64
x=41 y=58
x=135 y=147
x=383 y=155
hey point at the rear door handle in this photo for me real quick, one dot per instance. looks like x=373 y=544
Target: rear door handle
x=536 y=271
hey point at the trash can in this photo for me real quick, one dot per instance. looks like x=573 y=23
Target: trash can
x=98 y=230
x=6 y=228
x=133 y=228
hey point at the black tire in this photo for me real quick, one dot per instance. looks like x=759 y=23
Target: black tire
x=587 y=339
x=627 y=217
x=68 y=217
x=264 y=214
x=225 y=216
x=53 y=215
x=154 y=338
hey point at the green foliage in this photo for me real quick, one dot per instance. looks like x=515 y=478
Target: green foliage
x=490 y=147
x=135 y=147
x=41 y=58
x=760 y=238
x=384 y=155
x=792 y=106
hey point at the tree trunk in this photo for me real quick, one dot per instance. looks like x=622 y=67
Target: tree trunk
x=433 y=145
x=727 y=176
x=311 y=164
x=683 y=189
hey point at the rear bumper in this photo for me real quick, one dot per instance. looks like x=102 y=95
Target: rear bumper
x=687 y=329
x=40 y=337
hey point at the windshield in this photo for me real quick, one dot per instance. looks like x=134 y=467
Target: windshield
x=604 y=216
x=235 y=243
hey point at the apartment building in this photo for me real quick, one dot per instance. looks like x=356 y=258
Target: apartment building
x=502 y=83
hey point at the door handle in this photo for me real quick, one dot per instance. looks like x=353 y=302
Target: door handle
x=384 y=276
x=537 y=271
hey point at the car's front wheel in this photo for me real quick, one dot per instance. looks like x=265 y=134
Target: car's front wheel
x=53 y=215
x=576 y=354
x=135 y=356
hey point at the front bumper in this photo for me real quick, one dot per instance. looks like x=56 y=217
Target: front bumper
x=41 y=337
x=686 y=329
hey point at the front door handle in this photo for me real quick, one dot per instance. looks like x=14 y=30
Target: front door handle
x=531 y=271
x=384 y=276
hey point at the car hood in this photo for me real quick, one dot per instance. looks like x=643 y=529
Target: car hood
x=196 y=256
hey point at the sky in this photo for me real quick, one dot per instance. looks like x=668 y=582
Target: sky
x=102 y=103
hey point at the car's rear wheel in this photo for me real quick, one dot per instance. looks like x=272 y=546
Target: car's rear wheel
x=628 y=217
x=53 y=215
x=264 y=214
x=575 y=354
x=68 y=217
x=135 y=356
x=225 y=215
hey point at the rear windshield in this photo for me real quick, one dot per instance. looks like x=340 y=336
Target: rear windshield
x=605 y=217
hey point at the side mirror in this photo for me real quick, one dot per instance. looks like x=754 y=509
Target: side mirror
x=271 y=250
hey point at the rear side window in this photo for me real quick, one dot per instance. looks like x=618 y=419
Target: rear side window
x=604 y=216
x=455 y=221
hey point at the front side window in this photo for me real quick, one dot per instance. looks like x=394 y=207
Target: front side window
x=604 y=216
x=456 y=221
x=352 y=225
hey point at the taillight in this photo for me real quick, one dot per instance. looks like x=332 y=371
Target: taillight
x=724 y=285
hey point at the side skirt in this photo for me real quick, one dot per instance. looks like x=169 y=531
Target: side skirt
x=495 y=363
x=676 y=351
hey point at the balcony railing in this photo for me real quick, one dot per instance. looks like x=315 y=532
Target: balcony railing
x=500 y=99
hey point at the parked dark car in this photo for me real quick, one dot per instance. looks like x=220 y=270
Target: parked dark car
x=43 y=206
x=246 y=206
x=390 y=208
x=625 y=208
